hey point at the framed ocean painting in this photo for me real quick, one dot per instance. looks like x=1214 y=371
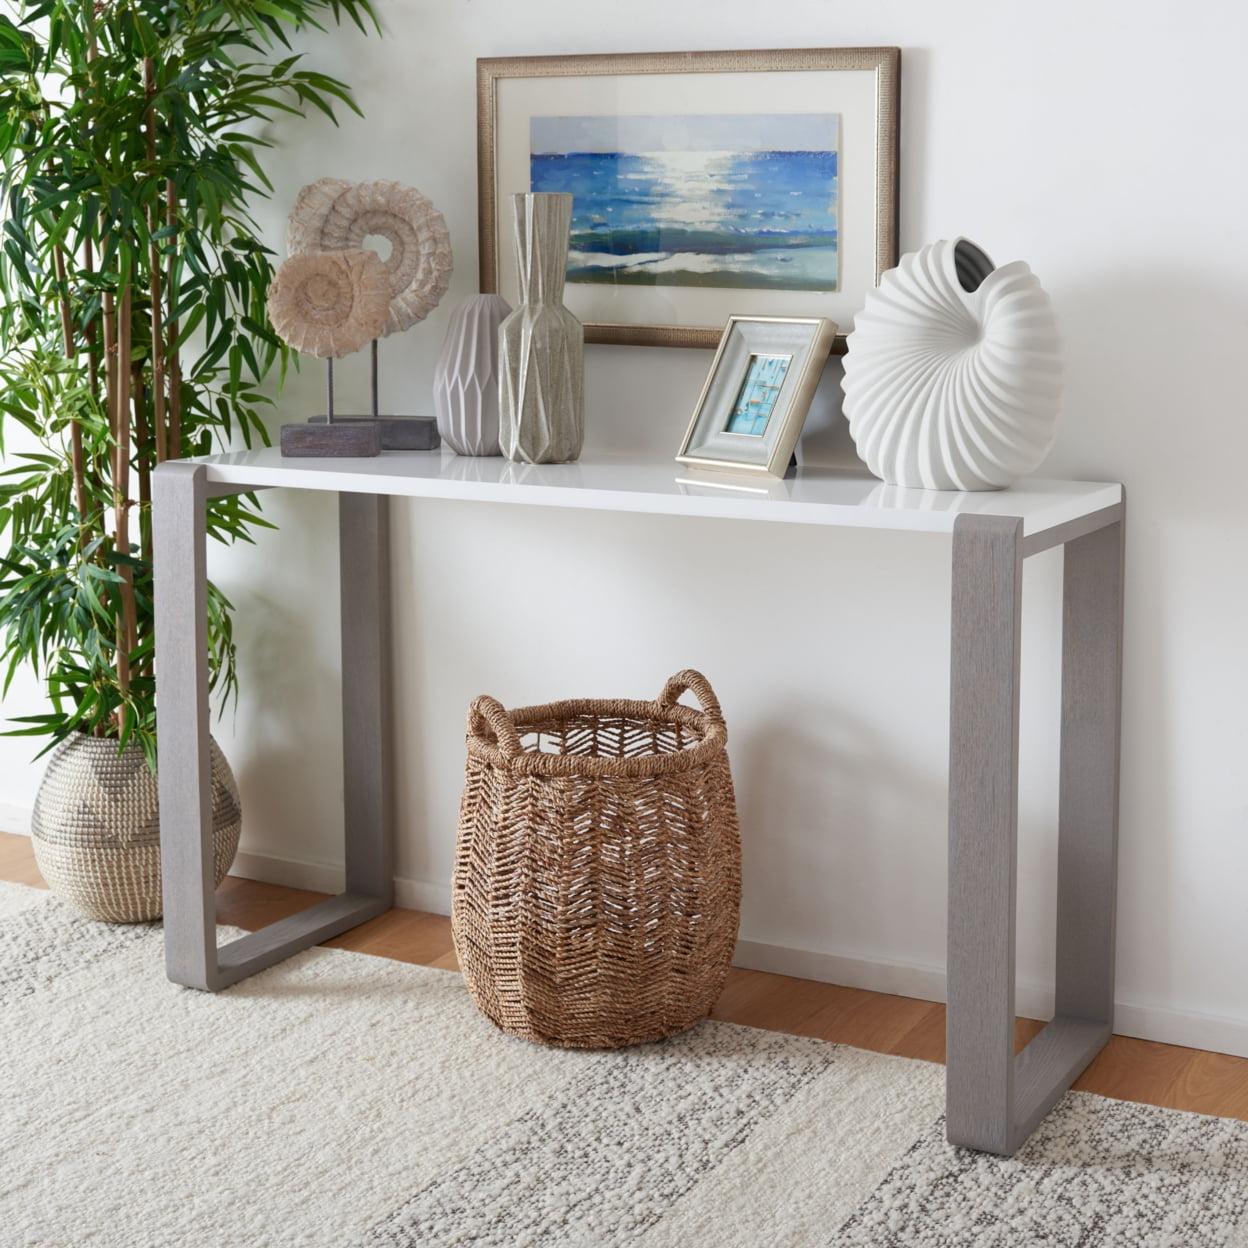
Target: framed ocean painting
x=704 y=184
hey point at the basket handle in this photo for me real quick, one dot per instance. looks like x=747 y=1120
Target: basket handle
x=487 y=710
x=699 y=686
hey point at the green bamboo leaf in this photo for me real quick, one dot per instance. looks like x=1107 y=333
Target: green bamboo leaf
x=249 y=159
x=191 y=323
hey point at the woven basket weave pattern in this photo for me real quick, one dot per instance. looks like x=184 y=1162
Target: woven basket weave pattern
x=598 y=872
x=96 y=828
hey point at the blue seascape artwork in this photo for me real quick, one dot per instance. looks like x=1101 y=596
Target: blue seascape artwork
x=747 y=201
x=757 y=397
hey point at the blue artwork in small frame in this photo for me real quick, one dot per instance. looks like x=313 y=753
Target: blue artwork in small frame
x=756 y=400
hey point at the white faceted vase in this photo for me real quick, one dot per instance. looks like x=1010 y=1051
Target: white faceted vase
x=465 y=382
x=953 y=376
x=541 y=406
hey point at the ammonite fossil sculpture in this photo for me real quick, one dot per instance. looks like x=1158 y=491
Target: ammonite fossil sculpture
x=333 y=215
x=330 y=303
x=953 y=378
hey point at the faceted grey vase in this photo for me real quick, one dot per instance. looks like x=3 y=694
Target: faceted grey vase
x=541 y=400
x=465 y=382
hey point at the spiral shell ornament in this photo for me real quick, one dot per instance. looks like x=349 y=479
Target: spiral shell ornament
x=334 y=215
x=953 y=376
x=330 y=303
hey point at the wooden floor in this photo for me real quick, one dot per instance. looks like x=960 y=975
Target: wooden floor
x=1133 y=1070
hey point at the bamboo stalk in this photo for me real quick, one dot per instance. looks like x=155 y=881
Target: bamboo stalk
x=128 y=625
x=93 y=355
x=110 y=364
x=93 y=358
x=93 y=367
x=142 y=460
x=78 y=467
x=123 y=367
x=143 y=463
x=174 y=439
x=89 y=330
x=62 y=290
x=110 y=406
x=158 y=341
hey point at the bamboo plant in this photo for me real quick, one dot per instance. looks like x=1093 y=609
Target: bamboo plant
x=132 y=321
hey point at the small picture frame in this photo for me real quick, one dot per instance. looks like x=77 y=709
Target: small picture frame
x=754 y=403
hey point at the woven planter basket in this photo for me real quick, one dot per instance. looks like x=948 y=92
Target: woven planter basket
x=598 y=871
x=96 y=828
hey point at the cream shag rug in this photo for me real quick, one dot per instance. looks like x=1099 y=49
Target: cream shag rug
x=345 y=1101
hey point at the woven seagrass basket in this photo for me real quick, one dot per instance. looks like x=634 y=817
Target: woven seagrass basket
x=598 y=870
x=96 y=827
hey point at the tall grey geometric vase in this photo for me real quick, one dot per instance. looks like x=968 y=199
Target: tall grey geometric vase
x=541 y=404
x=465 y=382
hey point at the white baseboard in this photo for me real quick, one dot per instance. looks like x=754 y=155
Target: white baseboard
x=322 y=877
x=1215 y=1032
x=1147 y=1022
x=316 y=877
x=15 y=819
x=421 y=895
x=903 y=979
x=927 y=983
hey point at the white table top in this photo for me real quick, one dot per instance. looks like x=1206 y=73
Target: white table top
x=663 y=487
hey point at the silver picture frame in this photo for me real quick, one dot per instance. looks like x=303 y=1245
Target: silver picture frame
x=757 y=394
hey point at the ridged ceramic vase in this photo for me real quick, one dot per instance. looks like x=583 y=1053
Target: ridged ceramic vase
x=96 y=828
x=541 y=405
x=465 y=382
x=953 y=377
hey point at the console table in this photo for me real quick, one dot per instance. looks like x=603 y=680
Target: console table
x=994 y=1098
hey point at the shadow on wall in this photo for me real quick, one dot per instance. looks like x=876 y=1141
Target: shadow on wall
x=285 y=742
x=280 y=806
x=1152 y=400
x=1150 y=396
x=828 y=810
x=825 y=437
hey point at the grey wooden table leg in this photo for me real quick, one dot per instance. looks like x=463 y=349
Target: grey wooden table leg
x=180 y=494
x=993 y=1099
x=364 y=546
x=983 y=829
x=179 y=557
x=1087 y=856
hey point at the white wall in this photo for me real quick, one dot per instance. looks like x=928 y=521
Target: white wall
x=1101 y=143
x=19 y=774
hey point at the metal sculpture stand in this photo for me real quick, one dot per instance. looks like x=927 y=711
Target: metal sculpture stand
x=358 y=437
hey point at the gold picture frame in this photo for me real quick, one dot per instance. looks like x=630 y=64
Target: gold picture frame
x=883 y=63
x=803 y=344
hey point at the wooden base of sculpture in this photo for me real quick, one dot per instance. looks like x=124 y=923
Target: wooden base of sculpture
x=398 y=433
x=359 y=439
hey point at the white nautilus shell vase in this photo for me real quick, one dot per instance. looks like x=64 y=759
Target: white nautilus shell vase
x=953 y=376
